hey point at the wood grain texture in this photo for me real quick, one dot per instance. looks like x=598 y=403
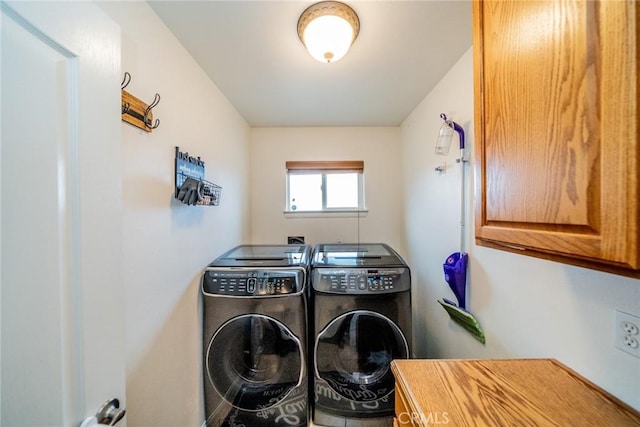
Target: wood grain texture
x=550 y=141
x=138 y=107
x=510 y=392
x=556 y=124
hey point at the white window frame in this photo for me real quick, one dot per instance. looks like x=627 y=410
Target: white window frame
x=325 y=168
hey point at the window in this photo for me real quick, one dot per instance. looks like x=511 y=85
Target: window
x=325 y=186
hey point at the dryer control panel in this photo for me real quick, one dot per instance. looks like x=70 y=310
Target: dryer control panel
x=361 y=281
x=252 y=283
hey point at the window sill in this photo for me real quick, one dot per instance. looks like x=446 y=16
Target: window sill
x=327 y=214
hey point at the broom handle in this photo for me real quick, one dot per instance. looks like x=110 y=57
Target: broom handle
x=462 y=199
x=462 y=161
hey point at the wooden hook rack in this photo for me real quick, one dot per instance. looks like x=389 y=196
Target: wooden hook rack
x=135 y=111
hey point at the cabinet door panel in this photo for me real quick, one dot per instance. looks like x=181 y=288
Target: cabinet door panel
x=556 y=128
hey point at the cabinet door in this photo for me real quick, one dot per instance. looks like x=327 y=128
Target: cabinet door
x=557 y=129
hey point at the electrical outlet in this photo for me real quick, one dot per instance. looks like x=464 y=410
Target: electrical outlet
x=627 y=333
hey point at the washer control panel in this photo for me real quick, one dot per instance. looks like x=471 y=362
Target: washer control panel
x=361 y=281
x=252 y=283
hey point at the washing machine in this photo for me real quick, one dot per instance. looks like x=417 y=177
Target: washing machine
x=255 y=337
x=361 y=321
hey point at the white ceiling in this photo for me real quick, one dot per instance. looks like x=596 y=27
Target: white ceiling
x=251 y=50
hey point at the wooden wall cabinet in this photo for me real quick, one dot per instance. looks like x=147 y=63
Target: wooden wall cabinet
x=556 y=125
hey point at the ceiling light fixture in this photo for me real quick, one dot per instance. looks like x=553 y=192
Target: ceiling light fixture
x=327 y=29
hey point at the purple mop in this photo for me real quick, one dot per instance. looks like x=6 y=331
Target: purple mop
x=455 y=266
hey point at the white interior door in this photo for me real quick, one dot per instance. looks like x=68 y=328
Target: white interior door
x=62 y=346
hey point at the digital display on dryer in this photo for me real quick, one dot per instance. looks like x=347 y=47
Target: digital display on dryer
x=276 y=286
x=379 y=282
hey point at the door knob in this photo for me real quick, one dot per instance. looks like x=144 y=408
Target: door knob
x=108 y=414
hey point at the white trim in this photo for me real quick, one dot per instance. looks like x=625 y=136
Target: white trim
x=341 y=213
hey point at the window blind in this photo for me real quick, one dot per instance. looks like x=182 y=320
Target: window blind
x=325 y=166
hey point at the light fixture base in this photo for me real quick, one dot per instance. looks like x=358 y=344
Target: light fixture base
x=334 y=8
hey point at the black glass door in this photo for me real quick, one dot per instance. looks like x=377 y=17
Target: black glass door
x=254 y=361
x=353 y=355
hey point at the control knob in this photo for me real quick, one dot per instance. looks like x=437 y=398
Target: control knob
x=251 y=285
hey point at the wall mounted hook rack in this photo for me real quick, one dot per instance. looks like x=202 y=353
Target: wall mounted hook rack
x=136 y=112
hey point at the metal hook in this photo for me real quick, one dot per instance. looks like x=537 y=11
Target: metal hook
x=146 y=120
x=126 y=80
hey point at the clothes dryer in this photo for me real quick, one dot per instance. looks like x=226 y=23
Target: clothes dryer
x=255 y=337
x=361 y=302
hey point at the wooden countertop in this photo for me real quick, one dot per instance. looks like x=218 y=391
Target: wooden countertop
x=509 y=392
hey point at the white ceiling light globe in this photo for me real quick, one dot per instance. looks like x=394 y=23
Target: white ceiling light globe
x=327 y=29
x=328 y=38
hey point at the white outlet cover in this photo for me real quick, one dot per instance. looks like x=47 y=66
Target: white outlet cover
x=627 y=333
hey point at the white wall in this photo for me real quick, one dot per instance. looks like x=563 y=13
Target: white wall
x=376 y=146
x=166 y=244
x=528 y=307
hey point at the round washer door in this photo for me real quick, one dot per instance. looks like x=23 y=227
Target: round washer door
x=254 y=361
x=353 y=353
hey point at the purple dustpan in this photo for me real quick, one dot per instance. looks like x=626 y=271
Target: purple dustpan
x=455 y=273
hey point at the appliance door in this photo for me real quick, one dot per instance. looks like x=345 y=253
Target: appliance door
x=254 y=361
x=353 y=353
